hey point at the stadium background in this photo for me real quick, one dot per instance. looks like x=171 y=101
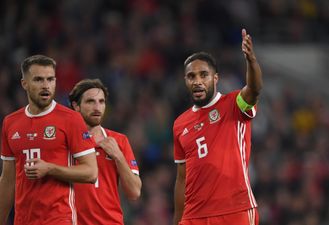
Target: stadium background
x=137 y=48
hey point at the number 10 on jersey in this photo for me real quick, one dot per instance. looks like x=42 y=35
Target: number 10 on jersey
x=32 y=154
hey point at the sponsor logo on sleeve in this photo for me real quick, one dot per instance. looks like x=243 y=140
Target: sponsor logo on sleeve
x=86 y=135
x=133 y=162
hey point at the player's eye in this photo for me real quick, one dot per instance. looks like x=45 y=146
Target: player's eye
x=204 y=74
x=190 y=76
x=38 y=79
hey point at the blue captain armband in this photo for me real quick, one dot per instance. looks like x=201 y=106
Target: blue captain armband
x=243 y=105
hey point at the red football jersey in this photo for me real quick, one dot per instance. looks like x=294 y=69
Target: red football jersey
x=54 y=136
x=214 y=142
x=99 y=203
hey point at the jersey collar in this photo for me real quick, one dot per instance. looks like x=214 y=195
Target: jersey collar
x=103 y=132
x=28 y=114
x=211 y=103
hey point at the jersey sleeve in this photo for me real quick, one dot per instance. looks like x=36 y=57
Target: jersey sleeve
x=79 y=140
x=246 y=113
x=129 y=155
x=6 y=153
x=179 y=154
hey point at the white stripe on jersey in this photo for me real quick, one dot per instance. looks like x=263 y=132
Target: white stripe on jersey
x=71 y=195
x=135 y=172
x=85 y=152
x=253 y=112
x=242 y=146
x=251 y=215
x=7 y=158
x=180 y=161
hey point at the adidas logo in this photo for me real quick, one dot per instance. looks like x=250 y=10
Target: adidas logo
x=15 y=136
x=185 y=131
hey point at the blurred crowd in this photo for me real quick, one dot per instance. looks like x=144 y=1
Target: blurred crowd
x=137 y=48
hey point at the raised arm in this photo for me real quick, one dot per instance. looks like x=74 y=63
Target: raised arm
x=7 y=189
x=179 y=194
x=84 y=172
x=254 y=81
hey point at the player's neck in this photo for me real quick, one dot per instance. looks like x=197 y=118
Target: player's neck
x=35 y=110
x=96 y=130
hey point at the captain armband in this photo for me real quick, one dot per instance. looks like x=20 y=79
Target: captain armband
x=243 y=105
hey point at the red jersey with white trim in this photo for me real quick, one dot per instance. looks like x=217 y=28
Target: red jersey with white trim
x=214 y=141
x=99 y=203
x=54 y=136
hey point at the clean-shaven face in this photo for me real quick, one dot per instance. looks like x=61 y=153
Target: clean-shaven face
x=92 y=106
x=201 y=81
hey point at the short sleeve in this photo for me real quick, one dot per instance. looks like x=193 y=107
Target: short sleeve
x=244 y=114
x=6 y=153
x=179 y=154
x=129 y=155
x=79 y=140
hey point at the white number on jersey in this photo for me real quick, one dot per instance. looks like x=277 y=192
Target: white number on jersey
x=202 y=147
x=33 y=153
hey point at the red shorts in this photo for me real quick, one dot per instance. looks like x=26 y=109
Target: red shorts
x=248 y=217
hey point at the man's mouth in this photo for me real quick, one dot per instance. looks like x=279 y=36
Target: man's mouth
x=198 y=92
x=45 y=95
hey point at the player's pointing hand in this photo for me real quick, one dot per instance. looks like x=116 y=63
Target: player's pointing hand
x=247 y=46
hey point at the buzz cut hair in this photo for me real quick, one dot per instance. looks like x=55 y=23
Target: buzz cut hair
x=36 y=60
x=203 y=56
x=83 y=86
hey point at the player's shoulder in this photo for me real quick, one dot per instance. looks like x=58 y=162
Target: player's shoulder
x=15 y=115
x=115 y=134
x=183 y=117
x=64 y=110
x=230 y=95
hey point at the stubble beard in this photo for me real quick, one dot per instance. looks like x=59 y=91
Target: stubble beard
x=40 y=103
x=206 y=100
x=92 y=122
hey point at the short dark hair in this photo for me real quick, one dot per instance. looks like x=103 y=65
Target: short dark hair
x=84 y=85
x=203 y=56
x=36 y=59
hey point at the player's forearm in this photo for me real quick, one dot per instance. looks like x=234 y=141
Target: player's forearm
x=82 y=173
x=130 y=182
x=254 y=81
x=179 y=199
x=254 y=77
x=7 y=192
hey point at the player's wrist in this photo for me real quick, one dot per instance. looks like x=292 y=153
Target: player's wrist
x=51 y=169
x=118 y=157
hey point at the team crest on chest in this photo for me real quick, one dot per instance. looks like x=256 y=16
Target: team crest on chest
x=214 y=116
x=50 y=133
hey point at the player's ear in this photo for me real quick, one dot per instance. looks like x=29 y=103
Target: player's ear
x=216 y=78
x=75 y=106
x=24 y=84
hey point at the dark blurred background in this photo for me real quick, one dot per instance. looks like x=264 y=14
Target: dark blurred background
x=137 y=48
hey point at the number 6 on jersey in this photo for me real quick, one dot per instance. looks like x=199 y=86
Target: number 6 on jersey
x=202 y=147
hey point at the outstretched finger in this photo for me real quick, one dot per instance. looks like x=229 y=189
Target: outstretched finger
x=243 y=33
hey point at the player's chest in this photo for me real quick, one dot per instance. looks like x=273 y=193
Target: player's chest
x=201 y=136
x=35 y=133
x=103 y=159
